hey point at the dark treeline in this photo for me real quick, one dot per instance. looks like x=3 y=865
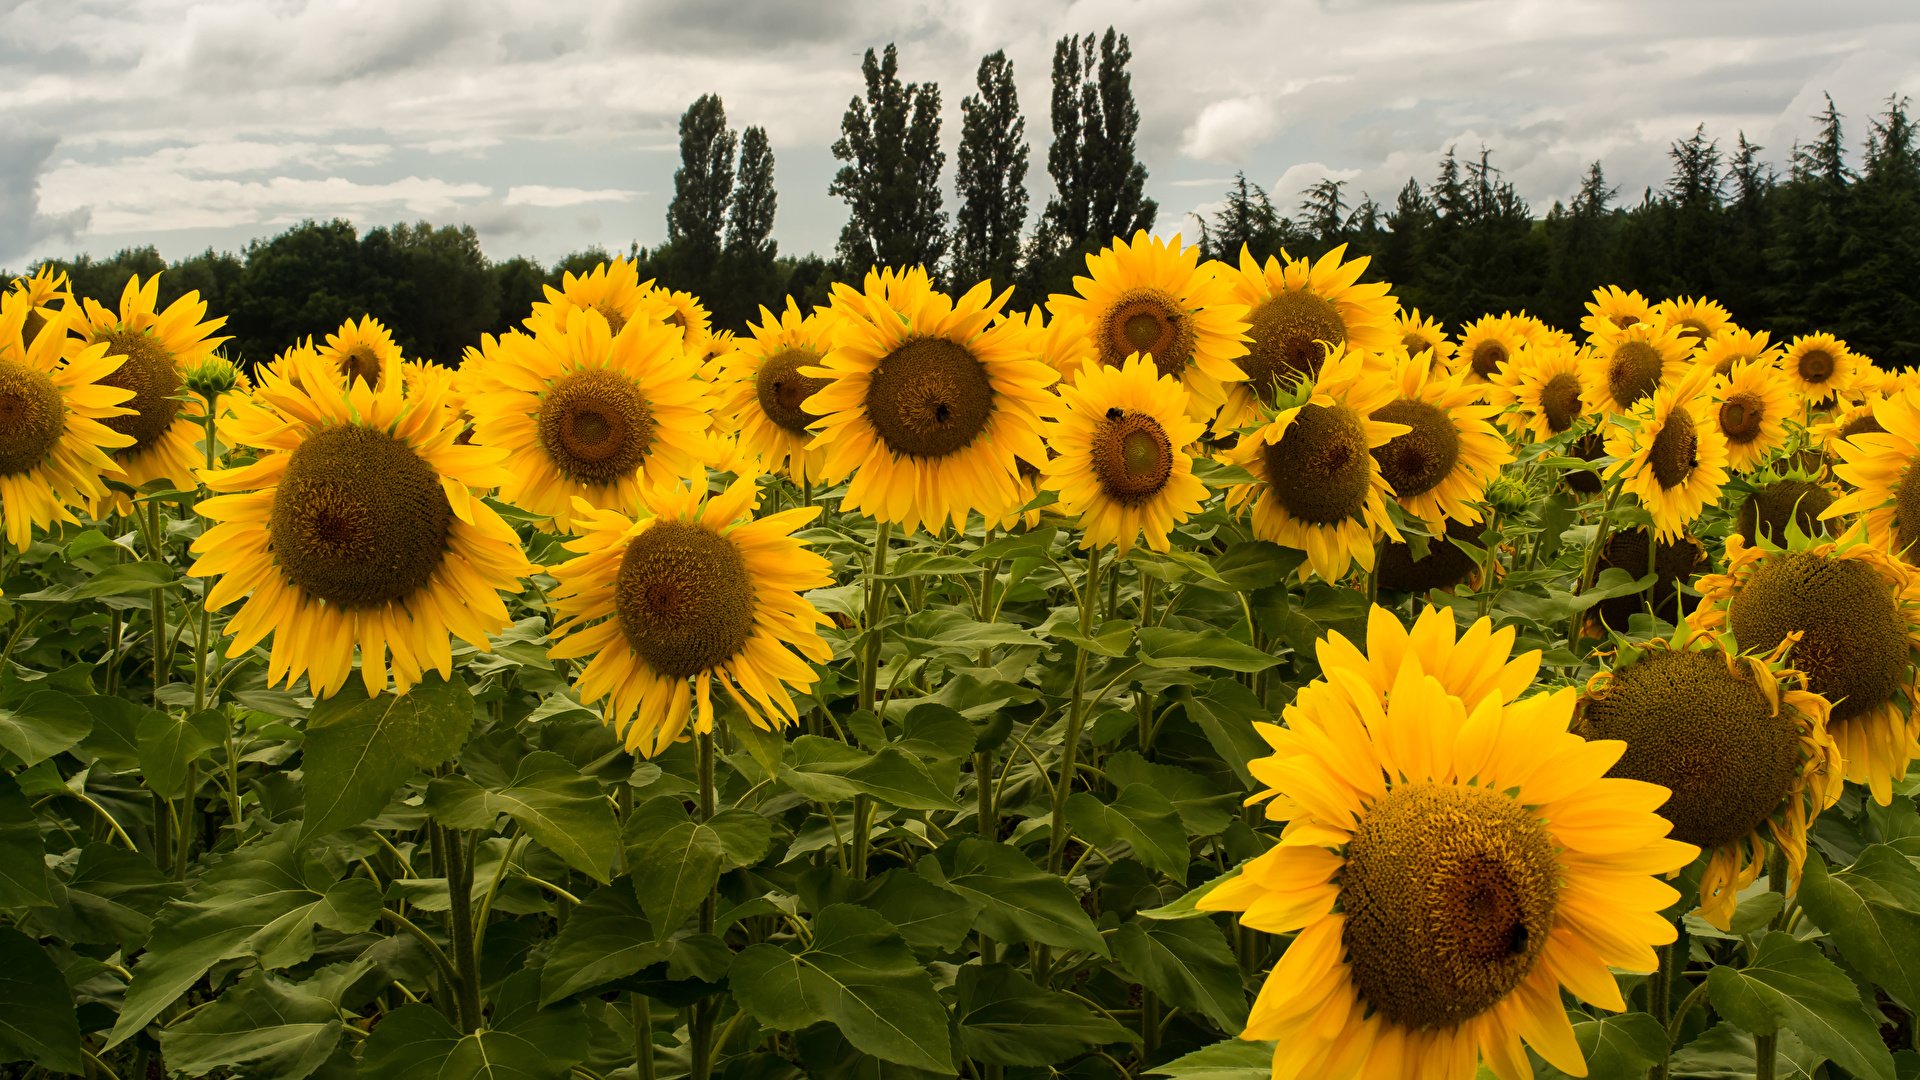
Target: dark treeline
x=1828 y=243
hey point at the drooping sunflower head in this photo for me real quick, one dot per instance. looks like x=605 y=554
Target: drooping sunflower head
x=762 y=389
x=1878 y=460
x=1152 y=296
x=356 y=526
x=1625 y=367
x=1445 y=566
x=1119 y=438
x=1781 y=504
x=1736 y=346
x=929 y=402
x=1857 y=612
x=1488 y=343
x=1298 y=310
x=695 y=591
x=362 y=351
x=613 y=289
x=1450 y=451
x=1418 y=335
x=1539 y=392
x=158 y=345
x=1612 y=310
x=1752 y=403
x=1699 y=320
x=1819 y=366
x=1675 y=561
x=582 y=411
x=1673 y=457
x=1317 y=486
x=1738 y=740
x=1449 y=864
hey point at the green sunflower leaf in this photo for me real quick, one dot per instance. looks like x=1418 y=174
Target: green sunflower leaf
x=37 y=1021
x=1791 y=985
x=566 y=812
x=1872 y=912
x=1005 y=1019
x=360 y=750
x=1018 y=901
x=1188 y=963
x=1164 y=647
x=1139 y=817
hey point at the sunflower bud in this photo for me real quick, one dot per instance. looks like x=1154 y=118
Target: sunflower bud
x=212 y=377
x=1508 y=495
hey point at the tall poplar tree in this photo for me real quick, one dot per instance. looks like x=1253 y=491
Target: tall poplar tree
x=749 y=273
x=890 y=142
x=702 y=191
x=1099 y=183
x=991 y=177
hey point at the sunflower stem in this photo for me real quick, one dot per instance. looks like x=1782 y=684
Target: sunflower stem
x=466 y=987
x=1142 y=702
x=869 y=680
x=1765 y=1047
x=700 y=1017
x=1076 y=717
x=1591 y=564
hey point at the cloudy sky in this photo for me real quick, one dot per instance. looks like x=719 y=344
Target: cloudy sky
x=549 y=125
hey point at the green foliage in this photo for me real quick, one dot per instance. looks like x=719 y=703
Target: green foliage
x=890 y=143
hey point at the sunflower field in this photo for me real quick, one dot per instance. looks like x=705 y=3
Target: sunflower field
x=1217 y=672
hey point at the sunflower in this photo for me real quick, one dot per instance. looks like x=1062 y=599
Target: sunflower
x=58 y=403
x=693 y=592
x=1675 y=458
x=613 y=289
x=43 y=288
x=355 y=526
x=422 y=376
x=1880 y=466
x=1297 y=309
x=1845 y=422
x=585 y=412
x=1628 y=365
x=1857 y=612
x=1117 y=435
x=1062 y=341
x=1611 y=311
x=762 y=388
x=159 y=345
x=1699 y=320
x=1152 y=296
x=1487 y=343
x=362 y=351
x=929 y=403
x=1539 y=391
x=1418 y=335
x=1737 y=346
x=1819 y=365
x=1751 y=404
x=1675 y=561
x=1318 y=487
x=1771 y=505
x=1737 y=739
x=1449 y=864
x=684 y=312
x=1440 y=465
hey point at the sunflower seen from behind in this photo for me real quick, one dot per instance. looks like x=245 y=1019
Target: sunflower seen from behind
x=1118 y=437
x=363 y=351
x=929 y=403
x=692 y=592
x=57 y=404
x=356 y=527
x=1152 y=296
x=1439 y=467
x=1612 y=310
x=1298 y=309
x=585 y=412
x=1751 y=405
x=761 y=389
x=1819 y=366
x=1317 y=488
x=1624 y=368
x=1449 y=864
x=158 y=344
x=1740 y=742
x=1673 y=458
x=1857 y=611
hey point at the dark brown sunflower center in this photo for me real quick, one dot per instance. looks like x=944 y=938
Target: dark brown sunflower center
x=1676 y=450
x=1288 y=330
x=1854 y=648
x=782 y=389
x=1864 y=424
x=1444 y=566
x=1415 y=343
x=1560 y=401
x=31 y=328
x=149 y=371
x=1625 y=320
x=616 y=319
x=1588 y=447
x=1694 y=330
x=359 y=519
x=1906 y=514
x=595 y=426
x=1704 y=732
x=675 y=318
x=1149 y=322
x=929 y=398
x=1633 y=372
x=32 y=417
x=1487 y=358
x=1449 y=894
x=362 y=364
x=1132 y=456
x=1740 y=417
x=1674 y=561
x=1319 y=471
x=1766 y=511
x=1416 y=462
x=684 y=598
x=1816 y=365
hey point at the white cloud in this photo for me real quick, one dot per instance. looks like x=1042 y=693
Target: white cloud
x=1230 y=130
x=542 y=195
